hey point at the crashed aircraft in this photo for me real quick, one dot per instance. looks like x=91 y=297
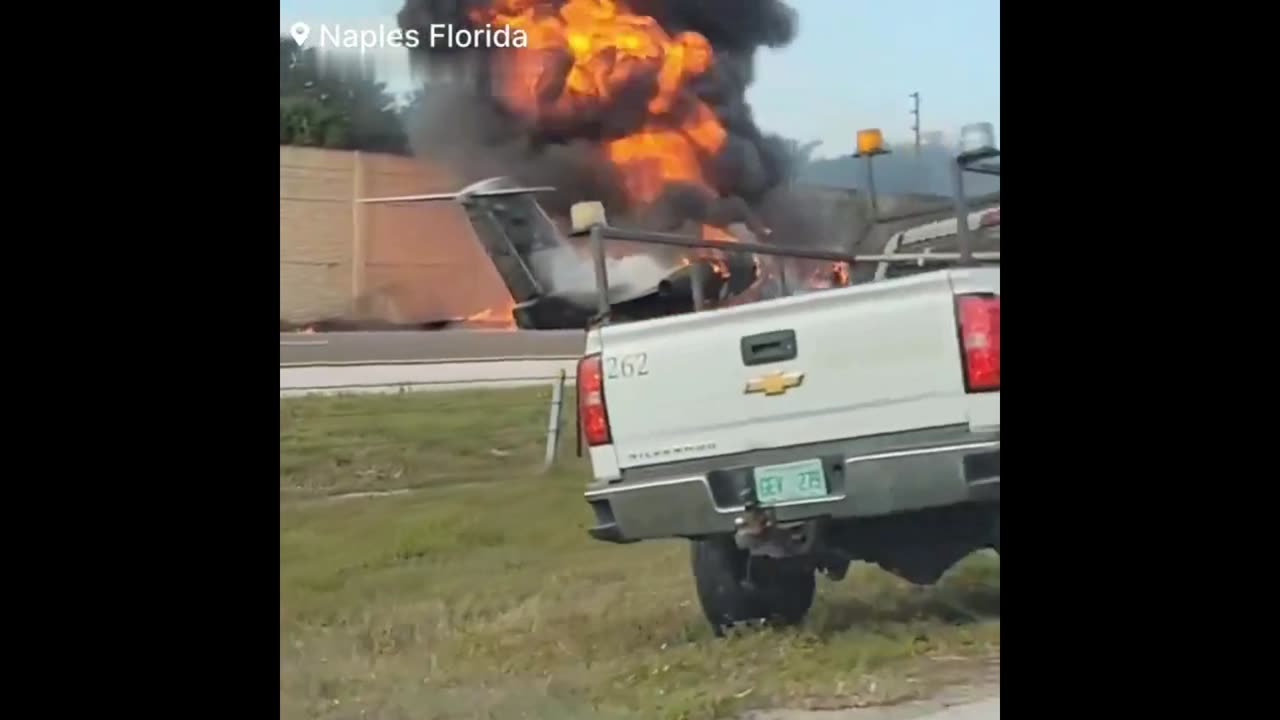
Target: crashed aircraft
x=549 y=272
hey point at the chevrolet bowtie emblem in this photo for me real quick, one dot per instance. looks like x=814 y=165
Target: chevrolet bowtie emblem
x=774 y=383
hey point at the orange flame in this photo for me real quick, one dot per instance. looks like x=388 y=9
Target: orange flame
x=829 y=276
x=498 y=318
x=840 y=273
x=581 y=56
x=718 y=265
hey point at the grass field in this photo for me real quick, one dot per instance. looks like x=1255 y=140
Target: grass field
x=479 y=594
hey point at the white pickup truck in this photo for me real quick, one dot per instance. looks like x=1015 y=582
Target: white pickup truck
x=791 y=436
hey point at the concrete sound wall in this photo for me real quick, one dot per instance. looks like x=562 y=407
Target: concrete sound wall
x=407 y=263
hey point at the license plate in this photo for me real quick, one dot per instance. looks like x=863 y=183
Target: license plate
x=793 y=481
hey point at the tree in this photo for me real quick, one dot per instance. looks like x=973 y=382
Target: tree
x=335 y=103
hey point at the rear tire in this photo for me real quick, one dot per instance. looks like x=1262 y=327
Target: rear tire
x=779 y=592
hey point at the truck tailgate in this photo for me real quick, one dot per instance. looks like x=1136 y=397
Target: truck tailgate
x=846 y=363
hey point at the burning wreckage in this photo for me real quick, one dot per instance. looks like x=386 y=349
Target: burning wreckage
x=640 y=105
x=549 y=273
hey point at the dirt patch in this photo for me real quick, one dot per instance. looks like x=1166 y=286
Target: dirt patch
x=956 y=703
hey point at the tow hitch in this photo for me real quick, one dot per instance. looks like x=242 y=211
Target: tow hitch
x=759 y=533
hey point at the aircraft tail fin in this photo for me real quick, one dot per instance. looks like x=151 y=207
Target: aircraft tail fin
x=510 y=225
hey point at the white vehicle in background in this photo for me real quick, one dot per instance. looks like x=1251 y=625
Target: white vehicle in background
x=941 y=236
x=791 y=436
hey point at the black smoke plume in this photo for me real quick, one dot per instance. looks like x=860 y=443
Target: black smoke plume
x=461 y=121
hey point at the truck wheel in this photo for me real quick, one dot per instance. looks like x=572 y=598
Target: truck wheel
x=777 y=593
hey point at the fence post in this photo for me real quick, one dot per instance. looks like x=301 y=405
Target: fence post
x=553 y=422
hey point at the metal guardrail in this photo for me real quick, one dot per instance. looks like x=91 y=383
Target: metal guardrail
x=414 y=386
x=432 y=361
x=407 y=377
x=383 y=347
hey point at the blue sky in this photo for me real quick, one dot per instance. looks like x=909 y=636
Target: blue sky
x=851 y=66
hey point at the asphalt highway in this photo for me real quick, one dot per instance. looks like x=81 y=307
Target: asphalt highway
x=412 y=346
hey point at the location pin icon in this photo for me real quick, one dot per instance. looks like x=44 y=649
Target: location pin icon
x=300 y=31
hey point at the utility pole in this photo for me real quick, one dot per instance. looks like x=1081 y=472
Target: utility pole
x=915 y=112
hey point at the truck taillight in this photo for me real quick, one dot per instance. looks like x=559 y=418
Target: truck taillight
x=979 y=318
x=591 y=410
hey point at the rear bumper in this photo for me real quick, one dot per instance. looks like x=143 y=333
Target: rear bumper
x=868 y=478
